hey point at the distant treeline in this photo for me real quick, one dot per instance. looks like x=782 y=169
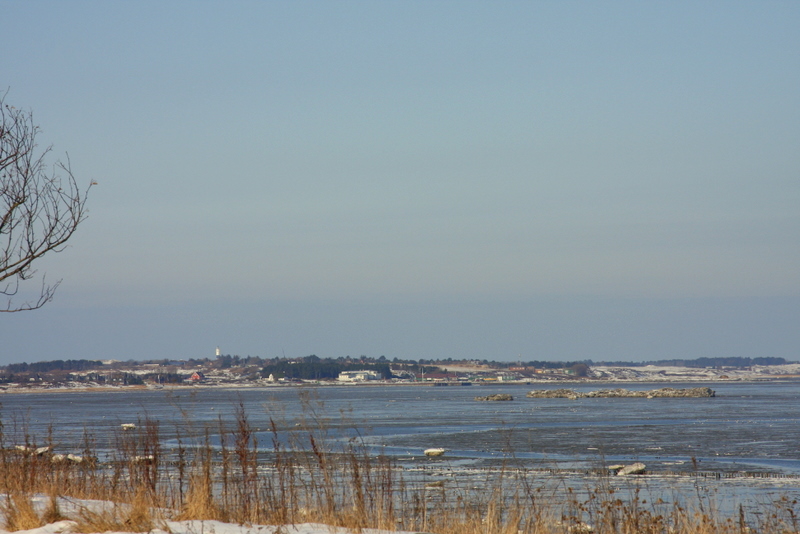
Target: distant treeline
x=315 y=368
x=55 y=365
x=705 y=362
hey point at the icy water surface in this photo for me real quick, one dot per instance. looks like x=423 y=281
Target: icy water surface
x=746 y=427
x=746 y=439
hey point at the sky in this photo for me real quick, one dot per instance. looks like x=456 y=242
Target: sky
x=448 y=179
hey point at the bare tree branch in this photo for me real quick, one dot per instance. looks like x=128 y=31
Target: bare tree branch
x=40 y=208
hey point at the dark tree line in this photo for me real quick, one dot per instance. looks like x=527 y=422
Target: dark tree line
x=315 y=368
x=54 y=365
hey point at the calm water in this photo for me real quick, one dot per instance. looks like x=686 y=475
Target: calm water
x=747 y=428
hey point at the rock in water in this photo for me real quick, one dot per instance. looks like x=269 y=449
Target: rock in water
x=622 y=393
x=496 y=397
x=553 y=394
x=634 y=469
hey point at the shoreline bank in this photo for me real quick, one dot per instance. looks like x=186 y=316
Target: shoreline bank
x=378 y=383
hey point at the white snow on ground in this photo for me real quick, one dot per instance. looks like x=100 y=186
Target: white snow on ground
x=71 y=507
x=653 y=373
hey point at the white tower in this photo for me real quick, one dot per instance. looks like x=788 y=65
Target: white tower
x=219 y=353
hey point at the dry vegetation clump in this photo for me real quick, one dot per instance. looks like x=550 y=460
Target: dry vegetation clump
x=225 y=474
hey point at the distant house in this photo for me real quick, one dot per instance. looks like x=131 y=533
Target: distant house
x=440 y=377
x=197 y=376
x=358 y=376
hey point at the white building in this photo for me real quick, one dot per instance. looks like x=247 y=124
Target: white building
x=358 y=376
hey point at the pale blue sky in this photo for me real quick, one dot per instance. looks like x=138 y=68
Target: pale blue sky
x=545 y=180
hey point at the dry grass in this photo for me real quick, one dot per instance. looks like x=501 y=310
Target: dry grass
x=20 y=513
x=296 y=479
x=137 y=516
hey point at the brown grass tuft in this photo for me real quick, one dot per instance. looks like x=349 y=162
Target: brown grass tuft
x=136 y=516
x=199 y=502
x=20 y=513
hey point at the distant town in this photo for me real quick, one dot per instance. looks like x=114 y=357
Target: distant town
x=250 y=371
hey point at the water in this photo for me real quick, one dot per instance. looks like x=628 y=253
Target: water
x=748 y=430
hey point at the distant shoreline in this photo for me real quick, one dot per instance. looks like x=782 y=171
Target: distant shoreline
x=555 y=383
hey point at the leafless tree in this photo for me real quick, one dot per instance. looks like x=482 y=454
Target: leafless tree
x=40 y=207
